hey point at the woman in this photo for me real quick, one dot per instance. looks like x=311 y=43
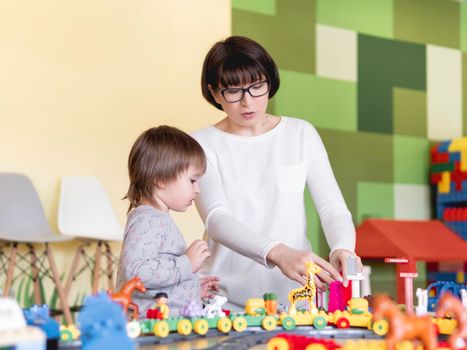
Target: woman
x=251 y=200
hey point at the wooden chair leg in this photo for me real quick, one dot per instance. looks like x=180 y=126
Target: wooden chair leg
x=35 y=275
x=109 y=266
x=97 y=267
x=74 y=267
x=11 y=269
x=58 y=285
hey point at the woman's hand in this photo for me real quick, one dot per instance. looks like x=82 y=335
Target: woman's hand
x=197 y=252
x=292 y=264
x=338 y=260
x=208 y=285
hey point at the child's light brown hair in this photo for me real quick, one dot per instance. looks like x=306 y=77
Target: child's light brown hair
x=158 y=156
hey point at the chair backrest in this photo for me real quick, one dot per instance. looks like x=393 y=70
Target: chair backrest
x=85 y=210
x=22 y=216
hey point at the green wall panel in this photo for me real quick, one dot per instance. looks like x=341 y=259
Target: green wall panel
x=358 y=157
x=383 y=64
x=427 y=21
x=464 y=94
x=364 y=16
x=326 y=103
x=289 y=36
x=266 y=7
x=409 y=112
x=411 y=160
x=463 y=27
x=375 y=200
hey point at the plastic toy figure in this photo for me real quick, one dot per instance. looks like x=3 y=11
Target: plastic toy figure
x=449 y=304
x=123 y=297
x=161 y=304
x=404 y=327
x=39 y=316
x=214 y=308
x=307 y=292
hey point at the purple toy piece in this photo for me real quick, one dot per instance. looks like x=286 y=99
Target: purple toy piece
x=192 y=309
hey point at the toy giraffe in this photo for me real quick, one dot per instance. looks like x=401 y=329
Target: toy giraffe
x=308 y=291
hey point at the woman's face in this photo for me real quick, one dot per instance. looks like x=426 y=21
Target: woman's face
x=249 y=111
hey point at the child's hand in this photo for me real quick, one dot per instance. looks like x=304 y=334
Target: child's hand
x=207 y=285
x=197 y=252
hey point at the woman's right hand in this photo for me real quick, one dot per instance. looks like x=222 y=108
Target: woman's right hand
x=292 y=264
x=197 y=252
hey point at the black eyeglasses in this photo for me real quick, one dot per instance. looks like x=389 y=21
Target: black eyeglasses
x=232 y=95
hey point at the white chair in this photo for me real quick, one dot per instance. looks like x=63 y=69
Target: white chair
x=23 y=222
x=85 y=212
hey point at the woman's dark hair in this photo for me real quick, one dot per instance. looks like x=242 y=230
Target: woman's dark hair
x=237 y=60
x=158 y=156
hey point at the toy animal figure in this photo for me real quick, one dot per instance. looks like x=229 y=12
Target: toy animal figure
x=449 y=304
x=307 y=292
x=404 y=327
x=123 y=296
x=214 y=309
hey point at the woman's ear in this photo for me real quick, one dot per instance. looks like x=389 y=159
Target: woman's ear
x=214 y=94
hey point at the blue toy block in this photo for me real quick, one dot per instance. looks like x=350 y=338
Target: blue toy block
x=444 y=146
x=103 y=325
x=439 y=288
x=454 y=157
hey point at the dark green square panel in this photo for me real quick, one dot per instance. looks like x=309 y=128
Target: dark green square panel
x=382 y=65
x=289 y=35
x=427 y=21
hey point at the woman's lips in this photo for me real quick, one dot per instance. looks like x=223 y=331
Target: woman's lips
x=248 y=115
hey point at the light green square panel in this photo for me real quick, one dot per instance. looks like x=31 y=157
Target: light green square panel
x=265 y=7
x=463 y=27
x=411 y=160
x=410 y=115
x=374 y=200
x=364 y=16
x=326 y=103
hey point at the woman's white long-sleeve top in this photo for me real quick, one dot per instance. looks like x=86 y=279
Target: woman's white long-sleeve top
x=252 y=198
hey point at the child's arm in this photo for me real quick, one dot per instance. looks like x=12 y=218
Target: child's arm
x=150 y=252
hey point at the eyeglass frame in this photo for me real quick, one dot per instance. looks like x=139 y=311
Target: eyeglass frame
x=247 y=89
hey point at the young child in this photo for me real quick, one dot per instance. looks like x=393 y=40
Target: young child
x=164 y=166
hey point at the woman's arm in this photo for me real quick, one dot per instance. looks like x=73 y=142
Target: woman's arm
x=222 y=226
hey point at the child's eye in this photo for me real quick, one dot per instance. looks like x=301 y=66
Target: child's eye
x=193 y=181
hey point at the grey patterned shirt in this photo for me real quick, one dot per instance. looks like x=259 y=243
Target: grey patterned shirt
x=154 y=250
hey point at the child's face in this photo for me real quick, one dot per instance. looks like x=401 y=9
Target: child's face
x=179 y=194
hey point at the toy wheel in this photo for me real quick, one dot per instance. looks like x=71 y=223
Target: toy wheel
x=161 y=329
x=343 y=323
x=278 y=343
x=269 y=323
x=380 y=327
x=133 y=329
x=320 y=322
x=201 y=327
x=66 y=335
x=184 y=327
x=224 y=325
x=239 y=324
x=315 y=347
x=288 y=323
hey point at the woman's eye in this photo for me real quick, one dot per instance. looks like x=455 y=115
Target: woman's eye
x=232 y=91
x=258 y=86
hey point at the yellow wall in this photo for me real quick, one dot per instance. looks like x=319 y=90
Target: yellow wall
x=79 y=80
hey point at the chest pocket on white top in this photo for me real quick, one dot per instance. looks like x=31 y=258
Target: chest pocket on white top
x=291 y=178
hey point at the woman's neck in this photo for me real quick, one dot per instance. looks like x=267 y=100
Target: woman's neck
x=268 y=123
